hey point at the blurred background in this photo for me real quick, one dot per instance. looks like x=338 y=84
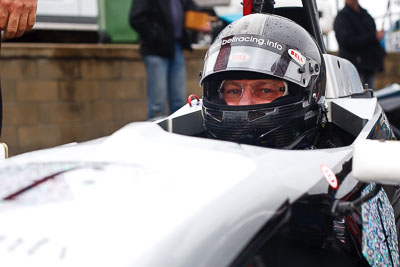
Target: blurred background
x=79 y=74
x=105 y=21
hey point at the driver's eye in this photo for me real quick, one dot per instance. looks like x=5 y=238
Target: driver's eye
x=264 y=90
x=234 y=91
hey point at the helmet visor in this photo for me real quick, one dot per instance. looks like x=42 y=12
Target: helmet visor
x=256 y=53
x=250 y=92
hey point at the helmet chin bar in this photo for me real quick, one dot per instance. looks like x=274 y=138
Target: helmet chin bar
x=275 y=127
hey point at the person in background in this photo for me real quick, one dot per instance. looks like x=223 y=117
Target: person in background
x=17 y=16
x=359 y=41
x=160 y=24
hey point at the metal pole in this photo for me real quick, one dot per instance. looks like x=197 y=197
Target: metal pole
x=263 y=6
x=247 y=7
x=311 y=12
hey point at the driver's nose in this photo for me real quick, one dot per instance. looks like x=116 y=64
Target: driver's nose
x=247 y=97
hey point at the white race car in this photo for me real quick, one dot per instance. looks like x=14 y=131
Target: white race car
x=159 y=194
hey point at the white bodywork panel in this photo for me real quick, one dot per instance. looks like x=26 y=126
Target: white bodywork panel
x=157 y=190
x=377 y=161
x=342 y=78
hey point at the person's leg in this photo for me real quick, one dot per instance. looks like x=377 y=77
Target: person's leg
x=177 y=81
x=157 y=78
x=367 y=78
x=371 y=80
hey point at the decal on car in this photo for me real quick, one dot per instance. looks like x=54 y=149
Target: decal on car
x=329 y=176
x=379 y=244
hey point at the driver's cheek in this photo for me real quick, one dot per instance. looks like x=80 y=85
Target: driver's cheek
x=263 y=101
x=269 y=97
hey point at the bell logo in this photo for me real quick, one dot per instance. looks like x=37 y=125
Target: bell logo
x=299 y=58
x=240 y=57
x=329 y=176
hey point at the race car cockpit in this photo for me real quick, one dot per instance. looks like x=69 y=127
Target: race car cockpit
x=280 y=41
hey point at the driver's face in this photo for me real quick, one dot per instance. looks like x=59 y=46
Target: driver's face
x=251 y=92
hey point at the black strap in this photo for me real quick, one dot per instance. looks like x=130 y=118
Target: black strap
x=223 y=57
x=281 y=66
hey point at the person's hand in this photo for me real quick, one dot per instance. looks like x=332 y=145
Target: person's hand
x=380 y=35
x=206 y=28
x=17 y=16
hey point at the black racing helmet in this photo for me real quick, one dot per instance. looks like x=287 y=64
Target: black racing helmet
x=264 y=46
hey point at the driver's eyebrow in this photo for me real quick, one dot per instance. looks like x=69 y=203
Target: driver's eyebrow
x=232 y=83
x=266 y=82
x=257 y=83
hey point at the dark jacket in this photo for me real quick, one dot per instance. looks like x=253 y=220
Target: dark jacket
x=356 y=35
x=152 y=20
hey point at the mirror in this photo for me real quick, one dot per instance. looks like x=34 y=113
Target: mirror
x=377 y=161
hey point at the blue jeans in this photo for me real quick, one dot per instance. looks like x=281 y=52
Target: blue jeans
x=165 y=76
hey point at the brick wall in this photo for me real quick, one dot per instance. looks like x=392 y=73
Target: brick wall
x=55 y=94
x=391 y=73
